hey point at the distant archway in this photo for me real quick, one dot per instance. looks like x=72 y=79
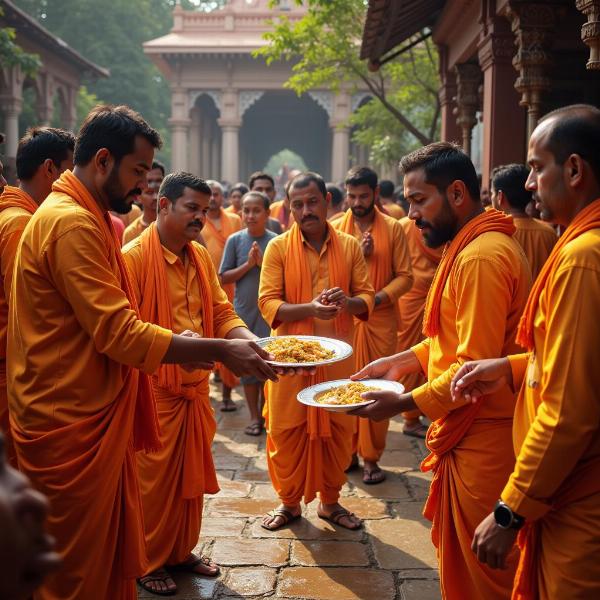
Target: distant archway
x=281 y=120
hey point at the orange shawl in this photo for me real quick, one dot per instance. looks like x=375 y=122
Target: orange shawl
x=380 y=274
x=588 y=218
x=490 y=220
x=298 y=290
x=198 y=468
x=14 y=197
x=137 y=385
x=226 y=228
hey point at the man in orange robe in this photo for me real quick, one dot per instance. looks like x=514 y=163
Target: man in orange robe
x=176 y=286
x=219 y=226
x=313 y=280
x=424 y=261
x=42 y=155
x=148 y=199
x=509 y=195
x=384 y=247
x=79 y=405
x=472 y=310
x=553 y=493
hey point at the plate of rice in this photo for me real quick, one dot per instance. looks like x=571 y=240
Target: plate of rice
x=343 y=395
x=304 y=350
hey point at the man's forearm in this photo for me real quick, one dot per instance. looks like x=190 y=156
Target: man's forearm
x=184 y=350
x=288 y=313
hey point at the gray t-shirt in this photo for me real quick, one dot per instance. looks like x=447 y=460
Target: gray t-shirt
x=245 y=300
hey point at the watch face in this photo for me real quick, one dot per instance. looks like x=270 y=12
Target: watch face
x=503 y=516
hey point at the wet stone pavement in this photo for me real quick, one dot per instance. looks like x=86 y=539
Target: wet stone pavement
x=391 y=558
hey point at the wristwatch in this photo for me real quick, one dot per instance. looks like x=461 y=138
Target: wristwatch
x=506 y=518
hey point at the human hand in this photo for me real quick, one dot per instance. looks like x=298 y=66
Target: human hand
x=321 y=309
x=481 y=377
x=247 y=358
x=199 y=365
x=382 y=368
x=492 y=544
x=366 y=244
x=386 y=405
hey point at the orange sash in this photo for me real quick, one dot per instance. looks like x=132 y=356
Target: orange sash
x=198 y=468
x=298 y=290
x=14 y=197
x=137 y=385
x=490 y=220
x=226 y=228
x=588 y=218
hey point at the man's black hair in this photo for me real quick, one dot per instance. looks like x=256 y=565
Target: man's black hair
x=39 y=144
x=114 y=128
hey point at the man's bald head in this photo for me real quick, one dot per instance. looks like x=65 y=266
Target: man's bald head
x=571 y=130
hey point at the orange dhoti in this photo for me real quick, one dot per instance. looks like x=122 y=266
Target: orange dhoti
x=173 y=480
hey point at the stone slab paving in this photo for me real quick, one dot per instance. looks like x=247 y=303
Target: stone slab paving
x=390 y=559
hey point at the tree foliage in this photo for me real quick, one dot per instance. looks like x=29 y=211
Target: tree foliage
x=324 y=46
x=12 y=55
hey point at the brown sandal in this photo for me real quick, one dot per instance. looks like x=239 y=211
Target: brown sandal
x=284 y=514
x=158 y=575
x=189 y=566
x=337 y=515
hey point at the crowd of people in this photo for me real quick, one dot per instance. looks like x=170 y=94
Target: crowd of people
x=125 y=288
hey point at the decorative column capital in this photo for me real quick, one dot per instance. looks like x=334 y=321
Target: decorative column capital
x=590 y=31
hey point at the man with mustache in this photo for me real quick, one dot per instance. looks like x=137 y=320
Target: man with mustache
x=552 y=498
x=43 y=154
x=218 y=227
x=78 y=355
x=148 y=198
x=384 y=247
x=472 y=310
x=176 y=286
x=313 y=281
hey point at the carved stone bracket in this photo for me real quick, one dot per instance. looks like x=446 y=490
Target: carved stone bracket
x=468 y=80
x=590 y=31
x=533 y=24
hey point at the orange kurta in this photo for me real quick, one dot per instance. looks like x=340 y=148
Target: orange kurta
x=16 y=208
x=79 y=407
x=390 y=271
x=555 y=484
x=394 y=210
x=471 y=445
x=215 y=239
x=537 y=240
x=307 y=452
x=411 y=305
x=278 y=212
x=134 y=229
x=173 y=480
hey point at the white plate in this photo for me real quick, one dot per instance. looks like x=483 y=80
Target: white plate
x=307 y=395
x=341 y=349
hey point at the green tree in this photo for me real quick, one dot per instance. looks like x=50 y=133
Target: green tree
x=324 y=45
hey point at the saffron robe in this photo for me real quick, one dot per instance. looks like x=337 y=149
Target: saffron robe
x=390 y=271
x=555 y=484
x=308 y=449
x=79 y=406
x=173 y=480
x=471 y=445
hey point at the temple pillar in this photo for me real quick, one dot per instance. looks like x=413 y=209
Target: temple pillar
x=450 y=131
x=468 y=80
x=533 y=24
x=340 y=147
x=590 y=31
x=503 y=120
x=194 y=141
x=179 y=123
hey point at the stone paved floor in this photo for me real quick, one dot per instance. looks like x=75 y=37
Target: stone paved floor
x=390 y=559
